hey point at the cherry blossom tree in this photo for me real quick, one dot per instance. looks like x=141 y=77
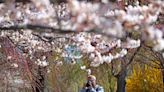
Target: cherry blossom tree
x=103 y=32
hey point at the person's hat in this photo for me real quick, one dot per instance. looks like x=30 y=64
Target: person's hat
x=92 y=76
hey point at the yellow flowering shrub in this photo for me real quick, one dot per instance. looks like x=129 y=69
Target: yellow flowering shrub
x=144 y=79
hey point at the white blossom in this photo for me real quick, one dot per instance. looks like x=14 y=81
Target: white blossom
x=131 y=43
x=110 y=13
x=118 y=42
x=159 y=45
x=9 y=57
x=87 y=48
x=81 y=18
x=123 y=52
x=152 y=18
x=59 y=63
x=79 y=38
x=88 y=71
x=18 y=14
x=43 y=57
x=155 y=33
x=39 y=3
x=18 y=81
x=1 y=18
x=95 y=64
x=97 y=60
x=92 y=56
x=104 y=1
x=108 y=59
x=15 y=65
x=83 y=67
x=42 y=63
x=75 y=6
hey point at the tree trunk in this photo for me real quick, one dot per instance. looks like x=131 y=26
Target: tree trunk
x=40 y=80
x=121 y=82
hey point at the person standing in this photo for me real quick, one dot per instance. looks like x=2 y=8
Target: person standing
x=91 y=85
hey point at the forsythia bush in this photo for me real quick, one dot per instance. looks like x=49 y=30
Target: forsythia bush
x=145 y=79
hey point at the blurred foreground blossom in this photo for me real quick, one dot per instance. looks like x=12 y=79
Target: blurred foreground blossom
x=82 y=17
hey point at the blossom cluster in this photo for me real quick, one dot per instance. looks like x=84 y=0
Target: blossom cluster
x=83 y=17
x=100 y=51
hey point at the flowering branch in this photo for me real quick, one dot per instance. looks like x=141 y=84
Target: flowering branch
x=35 y=27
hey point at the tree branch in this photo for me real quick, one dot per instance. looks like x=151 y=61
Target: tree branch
x=130 y=61
x=152 y=65
x=158 y=55
x=36 y=27
x=133 y=56
x=149 y=59
x=42 y=28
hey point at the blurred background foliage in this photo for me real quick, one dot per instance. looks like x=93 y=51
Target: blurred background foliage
x=70 y=78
